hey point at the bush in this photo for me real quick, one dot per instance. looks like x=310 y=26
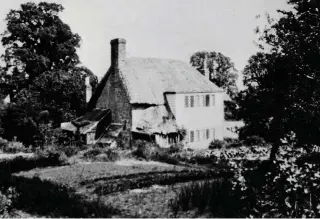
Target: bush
x=3 y=144
x=178 y=147
x=214 y=197
x=101 y=154
x=151 y=151
x=5 y=205
x=55 y=200
x=233 y=142
x=217 y=144
x=254 y=141
x=19 y=163
x=145 y=149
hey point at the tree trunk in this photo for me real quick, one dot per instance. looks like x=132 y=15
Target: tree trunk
x=274 y=151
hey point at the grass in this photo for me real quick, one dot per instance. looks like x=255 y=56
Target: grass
x=214 y=197
x=74 y=175
x=77 y=184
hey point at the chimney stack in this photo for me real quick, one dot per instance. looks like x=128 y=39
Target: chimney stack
x=205 y=67
x=88 y=90
x=118 y=52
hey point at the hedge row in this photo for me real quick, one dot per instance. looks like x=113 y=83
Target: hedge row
x=55 y=200
x=107 y=186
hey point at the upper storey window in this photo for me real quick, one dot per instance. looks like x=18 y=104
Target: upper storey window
x=201 y=100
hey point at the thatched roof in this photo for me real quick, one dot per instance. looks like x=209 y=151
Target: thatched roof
x=147 y=79
x=156 y=119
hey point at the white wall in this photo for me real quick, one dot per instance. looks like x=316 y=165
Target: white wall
x=136 y=115
x=199 y=117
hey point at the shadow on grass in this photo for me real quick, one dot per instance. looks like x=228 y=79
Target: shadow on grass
x=47 y=198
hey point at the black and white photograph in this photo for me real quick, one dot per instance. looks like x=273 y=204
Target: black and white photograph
x=159 y=108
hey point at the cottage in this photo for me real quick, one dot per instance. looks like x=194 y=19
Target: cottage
x=158 y=98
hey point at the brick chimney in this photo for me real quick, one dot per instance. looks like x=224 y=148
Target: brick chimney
x=205 y=67
x=118 y=52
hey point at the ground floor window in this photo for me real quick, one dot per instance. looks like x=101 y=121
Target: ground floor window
x=191 y=136
x=201 y=135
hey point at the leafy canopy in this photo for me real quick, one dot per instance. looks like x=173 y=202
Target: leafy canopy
x=283 y=80
x=221 y=69
x=42 y=68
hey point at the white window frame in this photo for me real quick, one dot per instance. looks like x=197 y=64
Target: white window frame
x=213 y=97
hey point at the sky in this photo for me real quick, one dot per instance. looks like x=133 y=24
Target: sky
x=172 y=29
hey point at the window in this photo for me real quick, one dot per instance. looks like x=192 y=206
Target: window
x=191 y=136
x=207 y=134
x=213 y=97
x=191 y=101
x=197 y=135
x=203 y=100
x=213 y=134
x=186 y=101
x=203 y=134
x=197 y=101
x=207 y=100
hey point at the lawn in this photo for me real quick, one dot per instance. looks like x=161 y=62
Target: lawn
x=76 y=175
x=128 y=188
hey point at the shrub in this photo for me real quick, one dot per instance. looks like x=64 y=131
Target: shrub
x=254 y=141
x=55 y=200
x=178 y=147
x=145 y=149
x=5 y=205
x=233 y=142
x=217 y=144
x=214 y=197
x=151 y=151
x=3 y=144
x=101 y=154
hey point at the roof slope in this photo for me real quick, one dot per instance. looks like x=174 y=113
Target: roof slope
x=147 y=79
x=156 y=119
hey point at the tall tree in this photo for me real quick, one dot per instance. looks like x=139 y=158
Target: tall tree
x=222 y=73
x=42 y=69
x=221 y=69
x=283 y=95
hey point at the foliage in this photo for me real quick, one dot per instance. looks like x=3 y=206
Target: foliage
x=41 y=70
x=217 y=144
x=282 y=80
x=285 y=187
x=178 y=147
x=107 y=185
x=101 y=154
x=12 y=146
x=254 y=141
x=6 y=200
x=215 y=197
x=5 y=204
x=222 y=73
x=221 y=69
x=151 y=151
x=56 y=200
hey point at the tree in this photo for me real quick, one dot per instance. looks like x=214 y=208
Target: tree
x=283 y=95
x=222 y=73
x=42 y=69
x=221 y=69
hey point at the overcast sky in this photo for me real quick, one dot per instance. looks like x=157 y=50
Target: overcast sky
x=162 y=28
